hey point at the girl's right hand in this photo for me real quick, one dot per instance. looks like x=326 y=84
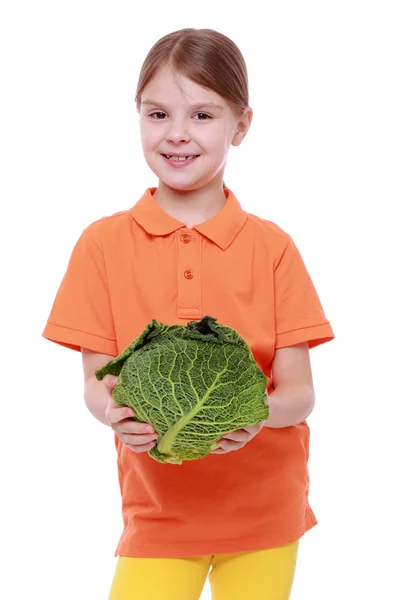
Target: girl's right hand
x=139 y=437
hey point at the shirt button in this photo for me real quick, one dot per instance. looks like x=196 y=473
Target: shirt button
x=189 y=274
x=185 y=238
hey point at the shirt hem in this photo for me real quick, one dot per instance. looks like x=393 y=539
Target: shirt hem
x=190 y=548
x=76 y=339
x=313 y=334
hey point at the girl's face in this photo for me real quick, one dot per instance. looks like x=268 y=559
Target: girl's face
x=187 y=130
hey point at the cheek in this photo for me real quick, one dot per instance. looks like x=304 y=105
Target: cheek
x=149 y=137
x=220 y=143
x=148 y=144
x=219 y=152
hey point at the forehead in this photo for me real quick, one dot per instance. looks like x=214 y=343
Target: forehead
x=170 y=85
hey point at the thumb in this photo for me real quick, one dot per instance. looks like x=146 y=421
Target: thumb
x=110 y=381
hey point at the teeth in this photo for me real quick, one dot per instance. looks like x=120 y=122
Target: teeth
x=180 y=158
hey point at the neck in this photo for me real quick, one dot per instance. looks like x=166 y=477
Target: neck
x=191 y=207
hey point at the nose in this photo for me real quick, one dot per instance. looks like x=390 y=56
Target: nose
x=177 y=132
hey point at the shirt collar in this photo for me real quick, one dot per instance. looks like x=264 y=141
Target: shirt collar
x=220 y=229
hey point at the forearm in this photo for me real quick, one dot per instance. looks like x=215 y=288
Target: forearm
x=289 y=404
x=96 y=397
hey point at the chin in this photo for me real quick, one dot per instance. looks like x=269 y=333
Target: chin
x=184 y=186
x=180 y=185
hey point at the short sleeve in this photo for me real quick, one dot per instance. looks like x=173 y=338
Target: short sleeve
x=81 y=315
x=299 y=316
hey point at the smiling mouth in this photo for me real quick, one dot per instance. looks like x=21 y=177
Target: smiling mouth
x=180 y=158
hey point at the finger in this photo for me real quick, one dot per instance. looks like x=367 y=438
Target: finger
x=240 y=435
x=139 y=440
x=130 y=427
x=222 y=450
x=224 y=446
x=219 y=450
x=115 y=413
x=253 y=429
x=142 y=448
x=110 y=381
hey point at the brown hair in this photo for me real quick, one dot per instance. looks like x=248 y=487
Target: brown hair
x=205 y=56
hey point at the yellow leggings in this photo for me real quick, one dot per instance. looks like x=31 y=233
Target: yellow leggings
x=260 y=575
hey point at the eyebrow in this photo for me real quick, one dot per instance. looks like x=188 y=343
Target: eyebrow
x=192 y=107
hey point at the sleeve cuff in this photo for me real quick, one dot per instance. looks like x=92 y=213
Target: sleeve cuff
x=75 y=339
x=314 y=335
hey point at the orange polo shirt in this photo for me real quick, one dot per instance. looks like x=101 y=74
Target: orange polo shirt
x=142 y=264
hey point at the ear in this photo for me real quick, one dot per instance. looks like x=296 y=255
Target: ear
x=243 y=125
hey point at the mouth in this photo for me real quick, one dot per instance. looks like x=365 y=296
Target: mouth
x=178 y=162
x=175 y=158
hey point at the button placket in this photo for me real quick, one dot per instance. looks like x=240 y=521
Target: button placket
x=189 y=282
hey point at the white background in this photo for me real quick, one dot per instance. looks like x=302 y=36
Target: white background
x=321 y=160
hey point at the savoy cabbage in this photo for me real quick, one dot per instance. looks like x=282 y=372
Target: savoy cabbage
x=192 y=383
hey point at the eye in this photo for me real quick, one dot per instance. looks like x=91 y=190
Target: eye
x=158 y=115
x=202 y=116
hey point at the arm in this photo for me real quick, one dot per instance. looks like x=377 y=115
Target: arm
x=139 y=437
x=291 y=402
x=293 y=398
x=95 y=393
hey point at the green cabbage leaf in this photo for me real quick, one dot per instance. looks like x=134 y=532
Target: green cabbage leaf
x=193 y=383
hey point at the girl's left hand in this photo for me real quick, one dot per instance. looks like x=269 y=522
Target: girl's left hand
x=237 y=439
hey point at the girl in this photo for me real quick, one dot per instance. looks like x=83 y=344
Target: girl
x=187 y=249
